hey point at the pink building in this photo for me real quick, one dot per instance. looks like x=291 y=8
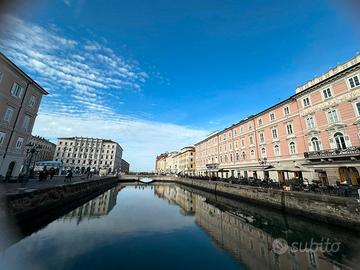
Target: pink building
x=313 y=134
x=20 y=98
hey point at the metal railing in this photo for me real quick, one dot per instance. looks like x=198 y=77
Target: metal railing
x=349 y=151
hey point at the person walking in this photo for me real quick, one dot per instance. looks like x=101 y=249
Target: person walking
x=70 y=175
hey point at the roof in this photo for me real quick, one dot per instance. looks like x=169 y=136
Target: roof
x=10 y=63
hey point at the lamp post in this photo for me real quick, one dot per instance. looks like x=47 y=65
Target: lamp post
x=263 y=163
x=31 y=150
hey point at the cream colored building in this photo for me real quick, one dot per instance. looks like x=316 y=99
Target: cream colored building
x=20 y=98
x=79 y=153
x=160 y=163
x=46 y=149
x=171 y=163
x=186 y=161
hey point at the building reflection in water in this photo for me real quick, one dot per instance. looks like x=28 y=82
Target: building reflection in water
x=236 y=233
x=95 y=208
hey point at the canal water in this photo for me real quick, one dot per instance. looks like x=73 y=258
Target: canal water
x=166 y=226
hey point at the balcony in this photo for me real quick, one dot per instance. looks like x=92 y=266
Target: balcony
x=333 y=153
x=212 y=166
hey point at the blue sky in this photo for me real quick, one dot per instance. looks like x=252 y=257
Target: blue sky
x=158 y=75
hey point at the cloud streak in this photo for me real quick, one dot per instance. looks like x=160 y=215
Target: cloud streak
x=85 y=78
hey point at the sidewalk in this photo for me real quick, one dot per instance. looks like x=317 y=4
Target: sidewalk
x=35 y=184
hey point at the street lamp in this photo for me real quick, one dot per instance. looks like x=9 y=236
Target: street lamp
x=263 y=163
x=31 y=150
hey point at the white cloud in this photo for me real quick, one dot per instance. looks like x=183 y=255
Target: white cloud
x=142 y=140
x=74 y=67
x=84 y=78
x=67 y=2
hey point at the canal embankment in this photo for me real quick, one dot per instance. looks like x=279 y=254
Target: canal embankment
x=335 y=210
x=35 y=203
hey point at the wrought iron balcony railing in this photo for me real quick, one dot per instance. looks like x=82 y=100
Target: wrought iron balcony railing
x=212 y=166
x=348 y=152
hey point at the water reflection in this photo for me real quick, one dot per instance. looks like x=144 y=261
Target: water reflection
x=242 y=234
x=182 y=228
x=95 y=208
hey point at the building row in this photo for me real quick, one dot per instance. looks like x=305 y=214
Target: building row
x=177 y=162
x=313 y=134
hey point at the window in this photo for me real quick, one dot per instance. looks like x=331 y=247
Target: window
x=262 y=138
x=292 y=148
x=260 y=122
x=315 y=144
x=249 y=126
x=252 y=153
x=16 y=90
x=310 y=122
x=263 y=152
x=332 y=116
x=242 y=142
x=2 y=137
x=251 y=140
x=26 y=122
x=289 y=129
x=272 y=116
x=340 y=140
x=243 y=154
x=274 y=133
x=241 y=129
x=237 y=156
x=1 y=76
x=306 y=102
x=286 y=111
x=327 y=93
x=8 y=114
x=32 y=101
x=277 y=150
x=358 y=108
x=354 y=81
x=19 y=143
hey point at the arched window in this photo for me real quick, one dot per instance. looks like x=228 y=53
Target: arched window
x=243 y=155
x=237 y=156
x=315 y=144
x=263 y=152
x=292 y=148
x=340 y=140
x=277 y=150
x=252 y=153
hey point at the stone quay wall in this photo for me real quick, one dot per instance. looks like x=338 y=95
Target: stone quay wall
x=341 y=211
x=32 y=204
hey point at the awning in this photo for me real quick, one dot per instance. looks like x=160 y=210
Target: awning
x=254 y=168
x=287 y=169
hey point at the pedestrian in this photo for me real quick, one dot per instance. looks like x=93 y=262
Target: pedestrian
x=66 y=177
x=52 y=173
x=87 y=172
x=41 y=176
x=70 y=175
